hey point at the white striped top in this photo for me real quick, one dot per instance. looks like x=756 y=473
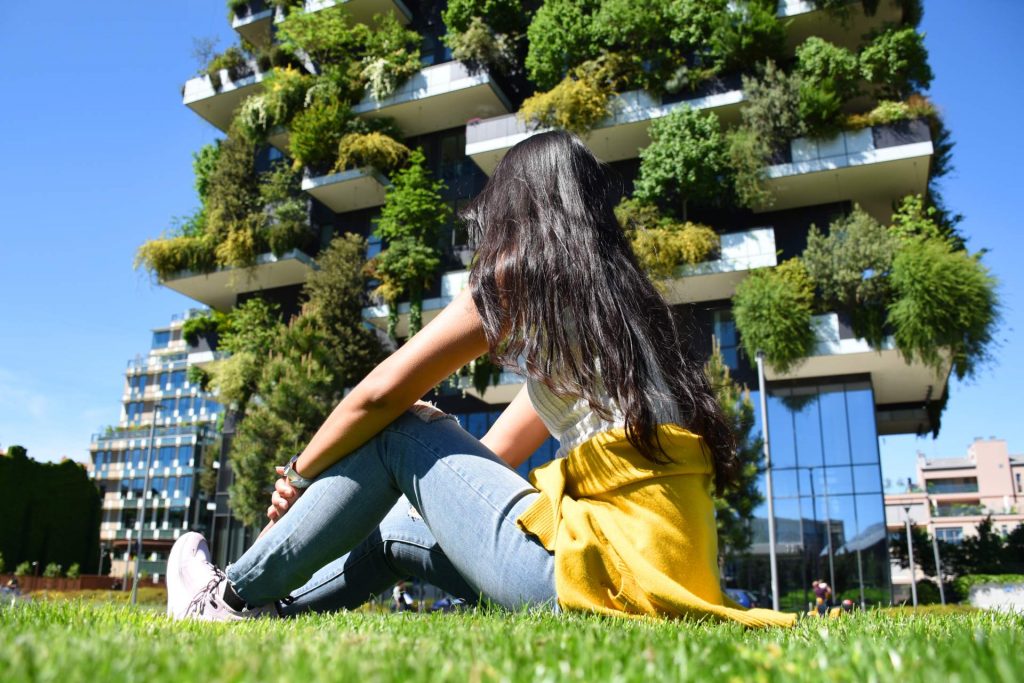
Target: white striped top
x=571 y=420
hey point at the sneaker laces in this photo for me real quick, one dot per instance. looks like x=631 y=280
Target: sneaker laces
x=206 y=596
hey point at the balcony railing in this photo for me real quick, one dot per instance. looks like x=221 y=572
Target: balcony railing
x=217 y=104
x=938 y=487
x=959 y=511
x=620 y=136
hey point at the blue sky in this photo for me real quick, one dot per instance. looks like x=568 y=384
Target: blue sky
x=97 y=158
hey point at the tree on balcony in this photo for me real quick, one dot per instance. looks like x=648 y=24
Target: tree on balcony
x=410 y=222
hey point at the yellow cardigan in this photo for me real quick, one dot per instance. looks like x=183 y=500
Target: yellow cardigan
x=635 y=537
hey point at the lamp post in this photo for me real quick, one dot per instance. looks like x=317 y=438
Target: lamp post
x=910 y=552
x=938 y=564
x=773 y=564
x=142 y=513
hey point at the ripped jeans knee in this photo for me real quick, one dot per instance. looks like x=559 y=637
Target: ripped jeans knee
x=428 y=412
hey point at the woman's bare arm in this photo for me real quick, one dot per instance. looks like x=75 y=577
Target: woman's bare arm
x=518 y=432
x=448 y=342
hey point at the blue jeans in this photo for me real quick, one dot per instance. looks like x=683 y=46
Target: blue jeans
x=423 y=498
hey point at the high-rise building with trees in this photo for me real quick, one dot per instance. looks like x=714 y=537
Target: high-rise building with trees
x=164 y=439
x=778 y=162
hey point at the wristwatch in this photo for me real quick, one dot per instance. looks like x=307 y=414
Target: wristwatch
x=294 y=478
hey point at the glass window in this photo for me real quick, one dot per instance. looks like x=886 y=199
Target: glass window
x=951 y=534
x=156 y=486
x=166 y=456
x=838 y=480
x=185 y=486
x=167 y=407
x=724 y=329
x=185 y=456
x=176 y=518
x=860 y=406
x=128 y=521
x=138 y=486
x=177 y=379
x=185 y=405
x=803 y=401
x=785 y=483
x=161 y=338
x=780 y=422
x=867 y=478
x=836 y=440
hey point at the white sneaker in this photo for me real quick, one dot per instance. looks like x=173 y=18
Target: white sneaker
x=195 y=587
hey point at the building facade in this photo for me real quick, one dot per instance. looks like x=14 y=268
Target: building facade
x=166 y=426
x=951 y=496
x=825 y=415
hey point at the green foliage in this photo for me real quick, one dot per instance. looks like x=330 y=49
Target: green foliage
x=23 y=569
x=316 y=132
x=748 y=155
x=248 y=333
x=580 y=101
x=286 y=217
x=3 y=565
x=406 y=267
x=504 y=15
x=233 y=60
x=945 y=308
x=890 y=111
x=167 y=257
x=850 y=270
x=734 y=509
x=560 y=37
x=480 y=46
x=748 y=33
x=198 y=377
x=203 y=163
x=914 y=218
x=896 y=62
x=414 y=207
x=307 y=366
x=819 y=62
x=686 y=161
x=661 y=245
x=392 y=54
x=283 y=96
x=205 y=325
x=74 y=571
x=772 y=109
x=377 y=150
x=332 y=41
x=964 y=584
x=772 y=308
x=232 y=194
x=242 y=244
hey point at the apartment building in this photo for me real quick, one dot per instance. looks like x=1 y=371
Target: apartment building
x=825 y=415
x=149 y=462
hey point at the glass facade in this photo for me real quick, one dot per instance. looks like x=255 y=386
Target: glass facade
x=828 y=506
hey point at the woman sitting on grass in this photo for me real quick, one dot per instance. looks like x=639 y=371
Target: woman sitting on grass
x=622 y=523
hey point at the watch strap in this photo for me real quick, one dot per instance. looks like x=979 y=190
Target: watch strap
x=294 y=478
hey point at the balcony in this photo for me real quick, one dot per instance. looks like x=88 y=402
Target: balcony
x=940 y=487
x=959 y=511
x=451 y=285
x=219 y=289
x=740 y=253
x=351 y=190
x=621 y=136
x=872 y=167
x=256 y=24
x=893 y=379
x=509 y=384
x=804 y=20
x=218 y=105
x=439 y=97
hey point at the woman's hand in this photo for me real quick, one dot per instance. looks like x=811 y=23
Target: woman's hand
x=284 y=497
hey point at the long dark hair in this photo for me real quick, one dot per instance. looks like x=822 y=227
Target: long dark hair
x=557 y=284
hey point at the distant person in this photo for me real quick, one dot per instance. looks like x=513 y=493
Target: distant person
x=623 y=522
x=822 y=597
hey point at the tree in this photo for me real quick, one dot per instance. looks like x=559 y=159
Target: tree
x=734 y=509
x=850 y=269
x=896 y=62
x=410 y=222
x=308 y=364
x=687 y=161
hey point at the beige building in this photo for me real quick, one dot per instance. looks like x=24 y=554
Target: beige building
x=952 y=495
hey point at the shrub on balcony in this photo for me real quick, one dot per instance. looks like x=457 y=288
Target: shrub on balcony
x=890 y=111
x=316 y=132
x=232 y=59
x=284 y=94
x=580 y=101
x=687 y=161
x=52 y=571
x=896 y=63
x=332 y=42
x=410 y=221
x=850 y=269
x=748 y=33
x=479 y=47
x=661 y=244
x=242 y=244
x=945 y=307
x=820 y=61
x=772 y=309
x=238 y=7
x=167 y=257
x=358 y=150
x=391 y=55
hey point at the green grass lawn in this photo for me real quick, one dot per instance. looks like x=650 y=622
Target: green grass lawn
x=61 y=640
